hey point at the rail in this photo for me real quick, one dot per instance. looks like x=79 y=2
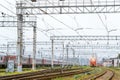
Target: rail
x=45 y=74
x=106 y=75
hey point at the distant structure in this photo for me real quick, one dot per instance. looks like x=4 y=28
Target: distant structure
x=112 y=62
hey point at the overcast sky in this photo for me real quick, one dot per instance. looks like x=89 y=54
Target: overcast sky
x=89 y=24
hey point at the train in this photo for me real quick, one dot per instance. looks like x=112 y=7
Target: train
x=93 y=62
x=27 y=61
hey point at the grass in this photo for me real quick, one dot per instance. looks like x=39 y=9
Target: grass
x=65 y=78
x=25 y=70
x=83 y=75
x=117 y=73
x=89 y=74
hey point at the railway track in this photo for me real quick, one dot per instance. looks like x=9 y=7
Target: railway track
x=106 y=75
x=44 y=75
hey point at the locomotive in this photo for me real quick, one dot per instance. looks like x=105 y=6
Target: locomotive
x=93 y=62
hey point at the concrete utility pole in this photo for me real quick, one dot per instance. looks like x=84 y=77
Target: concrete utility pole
x=52 y=58
x=73 y=56
x=7 y=53
x=34 y=48
x=63 y=56
x=67 y=52
x=20 y=37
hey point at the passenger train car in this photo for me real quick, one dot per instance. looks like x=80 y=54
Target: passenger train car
x=27 y=61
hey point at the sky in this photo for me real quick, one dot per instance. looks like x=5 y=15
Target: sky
x=89 y=24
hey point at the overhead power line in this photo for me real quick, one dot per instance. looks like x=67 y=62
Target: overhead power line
x=8 y=9
x=106 y=28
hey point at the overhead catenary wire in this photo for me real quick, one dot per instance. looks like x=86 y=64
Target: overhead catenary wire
x=56 y=19
x=100 y=19
x=10 y=4
x=70 y=26
x=105 y=25
x=53 y=17
x=65 y=24
x=52 y=28
x=106 y=28
x=8 y=8
x=59 y=21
